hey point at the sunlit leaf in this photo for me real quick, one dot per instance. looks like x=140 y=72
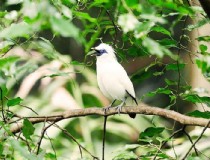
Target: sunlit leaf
x=131 y=146
x=126 y=155
x=86 y=16
x=76 y=63
x=16 y=30
x=22 y=150
x=64 y=27
x=197 y=24
x=155 y=48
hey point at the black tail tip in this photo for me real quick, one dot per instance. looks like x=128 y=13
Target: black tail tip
x=132 y=115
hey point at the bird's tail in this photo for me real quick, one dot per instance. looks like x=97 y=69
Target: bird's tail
x=131 y=102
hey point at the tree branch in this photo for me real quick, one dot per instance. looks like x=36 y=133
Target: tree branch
x=140 y=109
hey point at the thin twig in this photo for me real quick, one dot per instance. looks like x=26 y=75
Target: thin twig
x=53 y=148
x=177 y=61
x=104 y=137
x=193 y=145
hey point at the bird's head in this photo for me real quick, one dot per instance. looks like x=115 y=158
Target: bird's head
x=104 y=50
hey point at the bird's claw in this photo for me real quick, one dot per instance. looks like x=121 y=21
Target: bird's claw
x=118 y=108
x=106 y=109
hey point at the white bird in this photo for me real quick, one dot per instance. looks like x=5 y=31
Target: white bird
x=112 y=78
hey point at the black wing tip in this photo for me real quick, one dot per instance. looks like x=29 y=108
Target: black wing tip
x=132 y=97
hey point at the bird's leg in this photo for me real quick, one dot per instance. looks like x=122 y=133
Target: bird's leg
x=119 y=107
x=108 y=107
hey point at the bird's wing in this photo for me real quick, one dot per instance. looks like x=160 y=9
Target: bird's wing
x=125 y=80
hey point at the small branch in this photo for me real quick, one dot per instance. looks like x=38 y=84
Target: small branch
x=80 y=146
x=193 y=145
x=42 y=135
x=2 y=104
x=188 y=136
x=114 y=25
x=206 y=6
x=140 y=109
x=176 y=132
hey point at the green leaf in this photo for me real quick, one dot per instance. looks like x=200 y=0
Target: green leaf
x=22 y=150
x=90 y=100
x=203 y=48
x=203 y=65
x=155 y=48
x=64 y=27
x=170 y=82
x=175 y=67
x=13 y=102
x=28 y=129
x=3 y=91
x=5 y=46
x=194 y=158
x=16 y=30
x=1 y=148
x=160 y=91
x=158 y=73
x=50 y=156
x=86 y=16
x=194 y=98
x=126 y=156
x=143 y=28
x=151 y=132
x=200 y=114
x=168 y=42
x=162 y=30
x=76 y=63
x=204 y=38
x=141 y=76
x=131 y=146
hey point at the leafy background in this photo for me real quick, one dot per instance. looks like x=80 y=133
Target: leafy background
x=46 y=68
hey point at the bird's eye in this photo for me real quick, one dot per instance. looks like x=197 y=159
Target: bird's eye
x=100 y=52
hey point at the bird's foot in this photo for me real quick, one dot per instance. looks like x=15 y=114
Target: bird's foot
x=118 y=108
x=107 y=108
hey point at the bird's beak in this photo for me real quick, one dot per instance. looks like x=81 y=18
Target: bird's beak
x=92 y=52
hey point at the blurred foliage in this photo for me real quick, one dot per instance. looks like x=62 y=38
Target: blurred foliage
x=37 y=79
